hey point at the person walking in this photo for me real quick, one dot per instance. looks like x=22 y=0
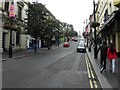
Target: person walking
x=103 y=55
x=111 y=55
x=89 y=46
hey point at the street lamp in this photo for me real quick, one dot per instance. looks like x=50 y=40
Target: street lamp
x=11 y=15
x=95 y=48
x=94 y=24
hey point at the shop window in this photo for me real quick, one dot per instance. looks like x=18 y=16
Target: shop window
x=17 y=38
x=114 y=40
x=119 y=42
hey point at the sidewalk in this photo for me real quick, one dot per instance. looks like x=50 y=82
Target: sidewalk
x=25 y=53
x=21 y=53
x=106 y=79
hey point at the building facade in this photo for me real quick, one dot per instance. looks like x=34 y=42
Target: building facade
x=1 y=50
x=108 y=16
x=18 y=36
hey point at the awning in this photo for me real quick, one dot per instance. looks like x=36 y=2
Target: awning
x=111 y=19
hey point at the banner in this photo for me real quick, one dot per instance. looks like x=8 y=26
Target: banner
x=11 y=12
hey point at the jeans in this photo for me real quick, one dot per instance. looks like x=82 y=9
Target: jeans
x=103 y=62
x=112 y=65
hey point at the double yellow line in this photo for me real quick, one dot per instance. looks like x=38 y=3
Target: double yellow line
x=91 y=76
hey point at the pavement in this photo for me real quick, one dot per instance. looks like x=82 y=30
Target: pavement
x=23 y=53
x=20 y=54
x=106 y=79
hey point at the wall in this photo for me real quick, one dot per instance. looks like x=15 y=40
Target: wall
x=23 y=41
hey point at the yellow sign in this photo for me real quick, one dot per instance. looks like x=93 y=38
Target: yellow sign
x=116 y=2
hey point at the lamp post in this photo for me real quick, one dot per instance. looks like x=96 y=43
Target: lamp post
x=11 y=15
x=95 y=48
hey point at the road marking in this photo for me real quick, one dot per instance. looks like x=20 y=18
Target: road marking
x=91 y=85
x=91 y=76
x=95 y=84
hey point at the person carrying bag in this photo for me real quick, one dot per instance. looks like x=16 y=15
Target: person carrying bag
x=111 y=54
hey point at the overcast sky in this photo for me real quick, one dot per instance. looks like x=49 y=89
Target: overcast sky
x=70 y=11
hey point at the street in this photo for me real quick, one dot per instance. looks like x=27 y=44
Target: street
x=57 y=68
x=41 y=40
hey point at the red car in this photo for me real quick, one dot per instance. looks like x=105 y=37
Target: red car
x=66 y=44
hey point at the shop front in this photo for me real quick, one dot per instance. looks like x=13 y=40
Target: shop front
x=111 y=31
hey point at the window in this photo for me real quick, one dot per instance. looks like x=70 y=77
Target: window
x=119 y=43
x=19 y=12
x=106 y=16
x=18 y=38
x=110 y=8
x=7 y=7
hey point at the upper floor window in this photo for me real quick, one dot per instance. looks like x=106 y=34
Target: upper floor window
x=6 y=6
x=19 y=12
x=106 y=16
x=110 y=8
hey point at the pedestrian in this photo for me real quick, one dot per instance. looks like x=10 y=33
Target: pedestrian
x=103 y=56
x=111 y=54
x=89 y=46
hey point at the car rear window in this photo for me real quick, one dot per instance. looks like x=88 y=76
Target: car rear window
x=81 y=45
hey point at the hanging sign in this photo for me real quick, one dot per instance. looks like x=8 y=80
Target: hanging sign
x=11 y=12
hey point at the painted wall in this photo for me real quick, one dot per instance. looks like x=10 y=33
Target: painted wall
x=23 y=41
x=7 y=39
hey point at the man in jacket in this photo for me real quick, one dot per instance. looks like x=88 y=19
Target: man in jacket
x=103 y=55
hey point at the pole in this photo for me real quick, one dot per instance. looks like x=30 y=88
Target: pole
x=10 y=43
x=95 y=49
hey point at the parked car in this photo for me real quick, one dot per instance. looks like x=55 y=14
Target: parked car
x=73 y=38
x=66 y=44
x=81 y=47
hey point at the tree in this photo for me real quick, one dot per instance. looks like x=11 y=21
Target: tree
x=39 y=25
x=50 y=29
x=71 y=34
x=36 y=18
